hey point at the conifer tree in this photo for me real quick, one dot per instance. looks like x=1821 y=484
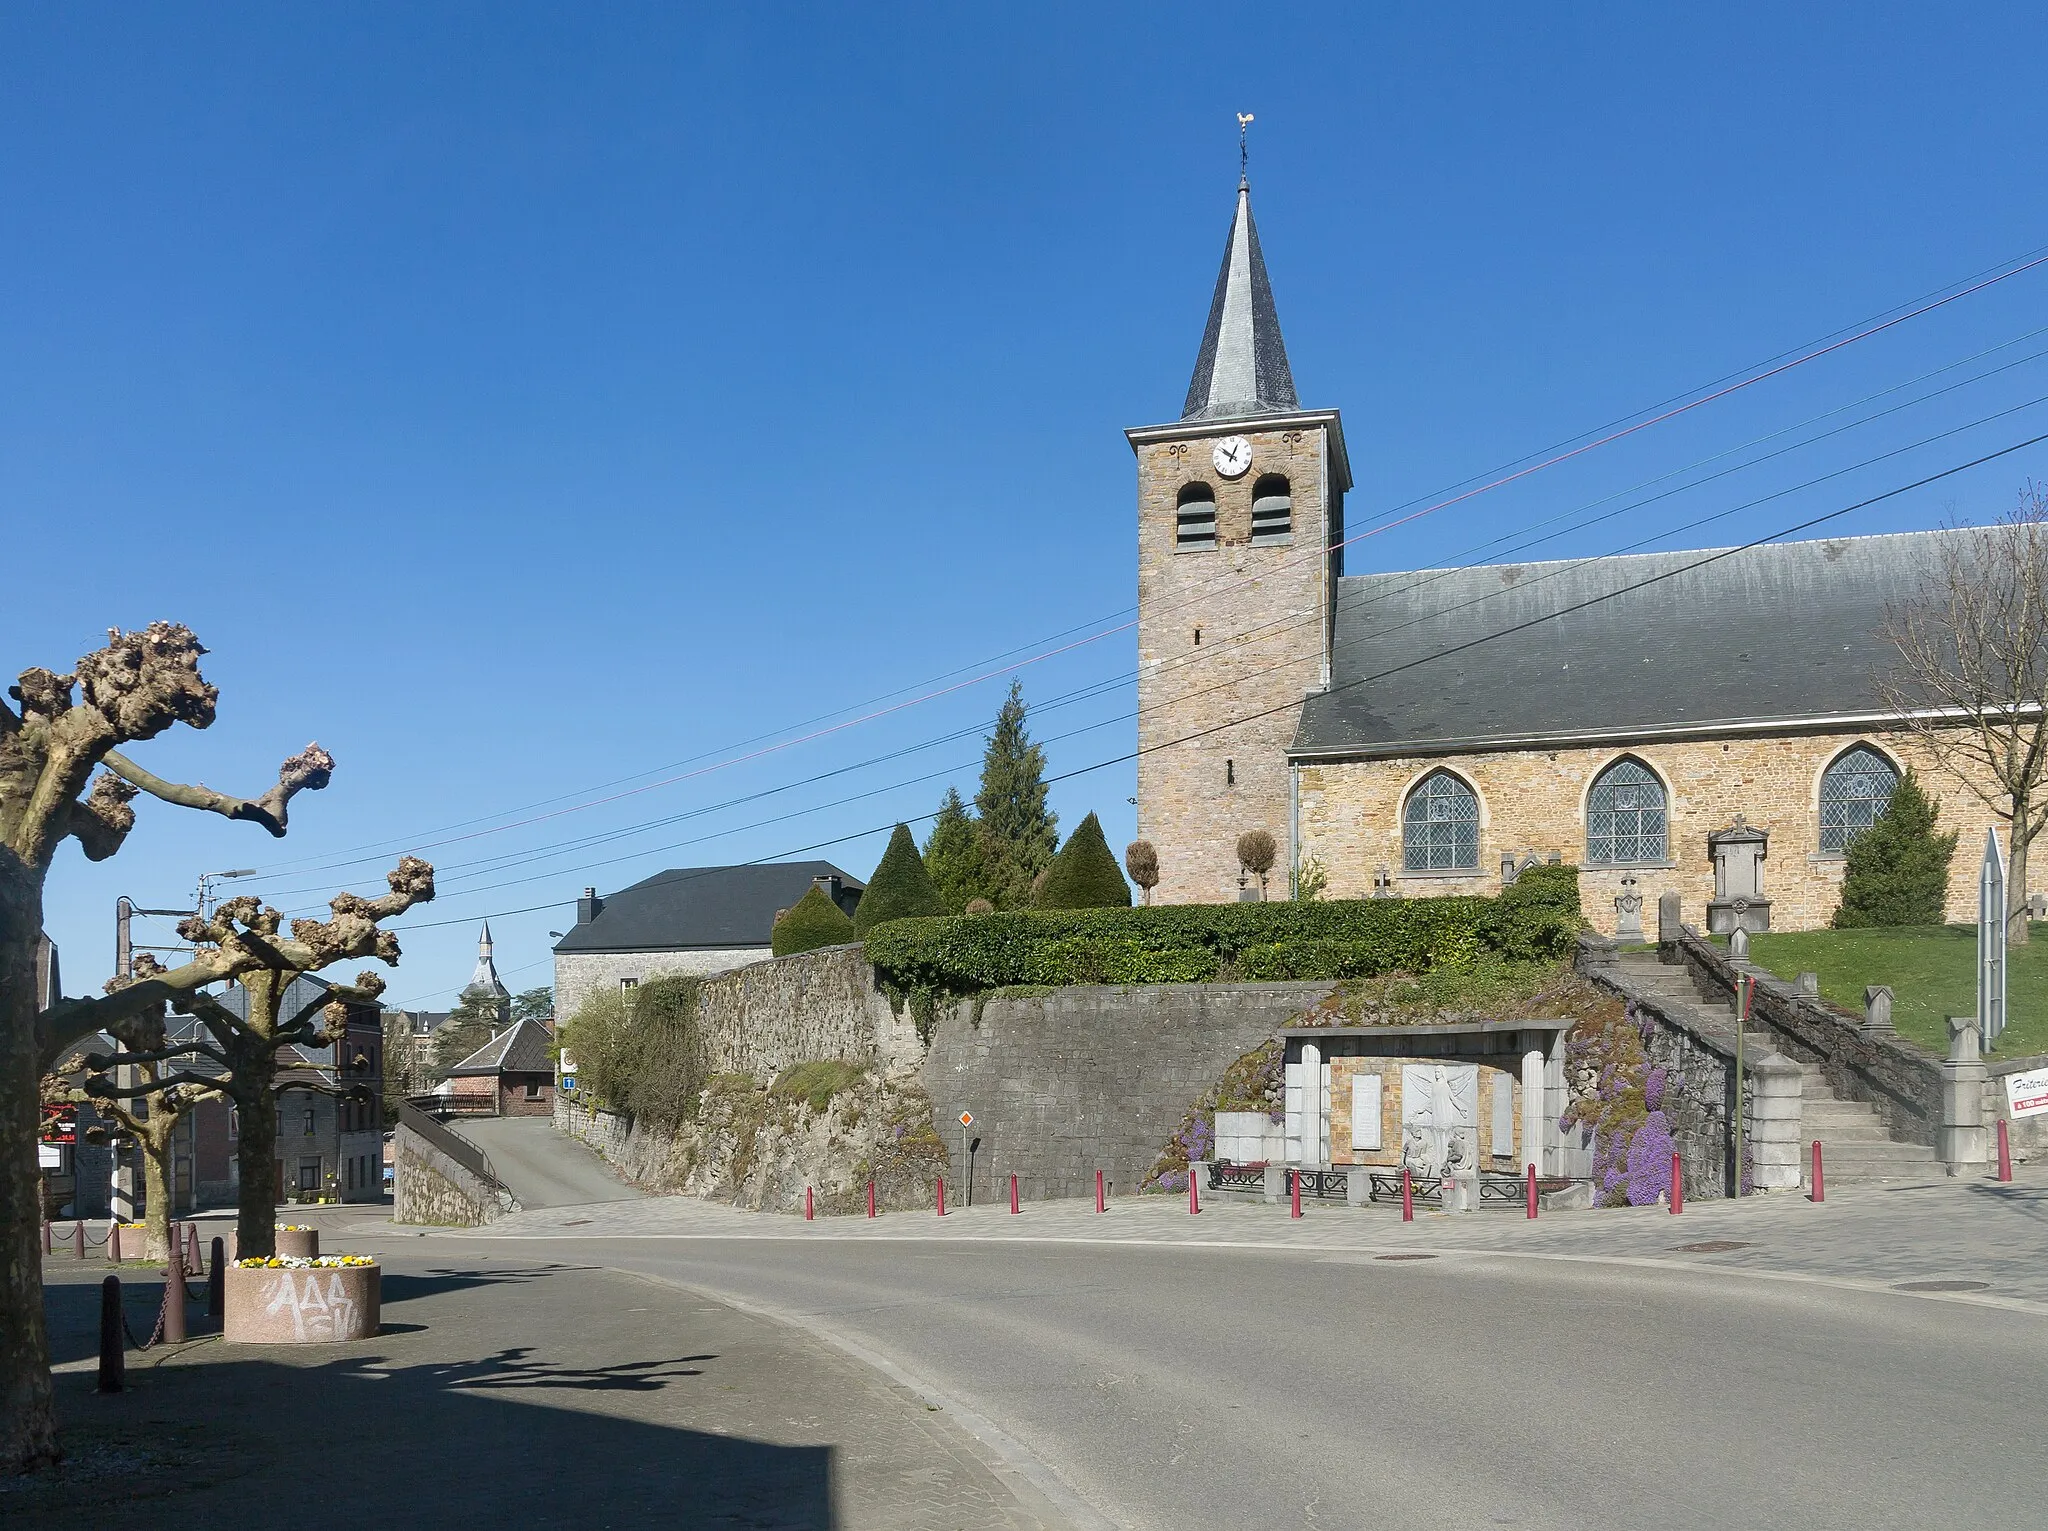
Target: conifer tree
x=1018 y=833
x=1084 y=875
x=1897 y=872
x=813 y=921
x=952 y=855
x=901 y=888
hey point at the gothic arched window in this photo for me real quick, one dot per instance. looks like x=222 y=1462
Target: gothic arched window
x=1625 y=815
x=1194 y=519
x=1272 y=510
x=1853 y=792
x=1440 y=826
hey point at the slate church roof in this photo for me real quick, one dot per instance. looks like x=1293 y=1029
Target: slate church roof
x=1242 y=368
x=701 y=907
x=1785 y=632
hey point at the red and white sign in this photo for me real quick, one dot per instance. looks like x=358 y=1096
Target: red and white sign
x=2027 y=1094
x=967 y=1117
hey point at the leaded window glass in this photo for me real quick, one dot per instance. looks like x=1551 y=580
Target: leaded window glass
x=1855 y=790
x=1440 y=826
x=1625 y=816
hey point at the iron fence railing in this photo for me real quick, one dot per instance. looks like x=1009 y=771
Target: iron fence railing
x=453 y=1144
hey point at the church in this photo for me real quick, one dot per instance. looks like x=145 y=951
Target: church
x=1431 y=731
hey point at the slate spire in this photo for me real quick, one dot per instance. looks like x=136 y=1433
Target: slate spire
x=1242 y=369
x=486 y=977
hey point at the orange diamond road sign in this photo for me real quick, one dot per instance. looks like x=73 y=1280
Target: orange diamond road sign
x=967 y=1119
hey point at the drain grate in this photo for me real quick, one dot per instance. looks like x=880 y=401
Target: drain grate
x=1941 y=1286
x=1713 y=1246
x=1404 y=1257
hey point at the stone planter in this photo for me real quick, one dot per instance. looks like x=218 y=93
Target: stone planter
x=307 y=1305
x=299 y=1243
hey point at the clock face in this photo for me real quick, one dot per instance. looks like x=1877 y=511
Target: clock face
x=1233 y=456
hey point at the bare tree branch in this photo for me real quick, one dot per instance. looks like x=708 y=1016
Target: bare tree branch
x=308 y=771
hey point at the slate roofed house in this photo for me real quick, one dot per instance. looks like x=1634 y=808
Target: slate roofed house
x=684 y=920
x=516 y=1067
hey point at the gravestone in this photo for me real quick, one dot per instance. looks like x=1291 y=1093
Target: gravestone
x=1738 y=903
x=1628 y=912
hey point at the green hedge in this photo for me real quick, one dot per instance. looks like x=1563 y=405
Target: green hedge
x=812 y=921
x=1196 y=943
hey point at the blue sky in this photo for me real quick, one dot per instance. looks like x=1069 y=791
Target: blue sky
x=523 y=399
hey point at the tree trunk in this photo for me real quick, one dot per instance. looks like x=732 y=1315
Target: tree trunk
x=256 y=1219
x=2016 y=932
x=155 y=1142
x=28 y=1420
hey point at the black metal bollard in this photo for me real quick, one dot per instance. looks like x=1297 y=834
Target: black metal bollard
x=113 y=1354
x=194 y=1263
x=174 y=1294
x=217 y=1284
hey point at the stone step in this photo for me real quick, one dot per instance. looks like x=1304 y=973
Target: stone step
x=1855 y=1155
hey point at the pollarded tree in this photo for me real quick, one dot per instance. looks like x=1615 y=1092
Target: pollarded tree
x=238 y=1055
x=1084 y=874
x=901 y=888
x=68 y=728
x=1141 y=860
x=1256 y=853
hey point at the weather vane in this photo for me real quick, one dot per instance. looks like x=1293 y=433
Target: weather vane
x=1244 y=121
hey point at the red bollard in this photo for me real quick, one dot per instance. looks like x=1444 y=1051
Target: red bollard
x=941 y=1184
x=2004 y=1157
x=809 y=1206
x=1294 y=1193
x=1677 y=1185
x=871 y=1198
x=46 y=1235
x=1532 y=1190
x=1820 y=1189
x=1013 y=1194
x=1194 y=1193
x=1101 y=1203
x=78 y=1239
x=113 y=1241
x=1407 y=1196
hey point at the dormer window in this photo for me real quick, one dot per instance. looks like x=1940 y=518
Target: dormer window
x=1194 y=520
x=1272 y=510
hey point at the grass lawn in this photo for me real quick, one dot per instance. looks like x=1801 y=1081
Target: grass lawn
x=1932 y=970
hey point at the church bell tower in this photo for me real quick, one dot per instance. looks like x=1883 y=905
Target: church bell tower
x=1240 y=511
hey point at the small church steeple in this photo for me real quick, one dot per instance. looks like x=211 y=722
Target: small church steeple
x=485 y=979
x=1242 y=369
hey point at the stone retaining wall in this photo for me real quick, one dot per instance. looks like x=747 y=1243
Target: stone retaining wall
x=1063 y=1082
x=764 y=1018
x=431 y=1188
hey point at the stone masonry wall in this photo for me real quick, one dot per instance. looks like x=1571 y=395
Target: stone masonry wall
x=1068 y=1081
x=1535 y=800
x=1261 y=613
x=430 y=1188
x=579 y=974
x=763 y=1018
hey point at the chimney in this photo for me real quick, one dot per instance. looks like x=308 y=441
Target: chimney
x=588 y=907
x=828 y=884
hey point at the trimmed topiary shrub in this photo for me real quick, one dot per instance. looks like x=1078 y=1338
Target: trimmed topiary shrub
x=1084 y=875
x=901 y=887
x=1897 y=870
x=812 y=922
x=1536 y=919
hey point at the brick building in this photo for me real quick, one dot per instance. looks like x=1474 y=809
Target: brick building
x=1427 y=731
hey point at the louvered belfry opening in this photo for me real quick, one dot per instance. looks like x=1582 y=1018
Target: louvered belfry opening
x=1272 y=510
x=1194 y=522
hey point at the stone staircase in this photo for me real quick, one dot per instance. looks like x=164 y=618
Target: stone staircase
x=1854 y=1143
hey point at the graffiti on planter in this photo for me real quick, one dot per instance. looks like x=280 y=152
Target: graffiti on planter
x=319 y=1304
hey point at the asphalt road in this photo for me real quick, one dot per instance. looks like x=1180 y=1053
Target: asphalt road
x=541 y=1166
x=1177 y=1388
